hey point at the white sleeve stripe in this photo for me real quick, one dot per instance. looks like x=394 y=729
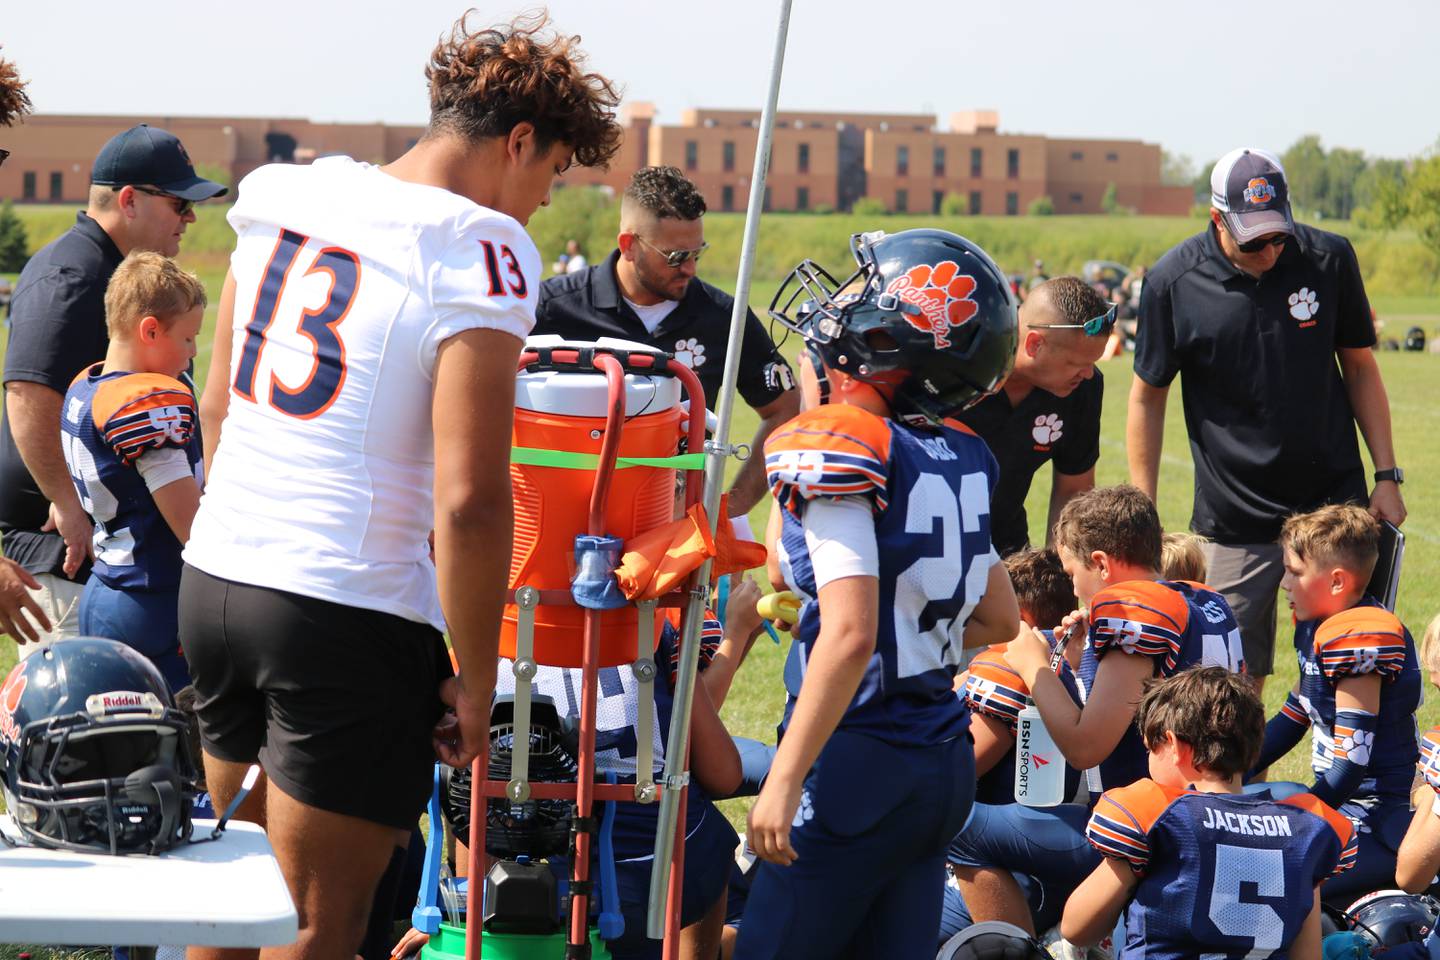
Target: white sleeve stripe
x=840 y=537
x=163 y=466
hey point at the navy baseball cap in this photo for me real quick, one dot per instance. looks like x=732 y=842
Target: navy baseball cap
x=148 y=155
x=1248 y=187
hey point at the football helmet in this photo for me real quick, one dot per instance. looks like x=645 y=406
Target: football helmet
x=95 y=752
x=992 y=940
x=927 y=302
x=534 y=828
x=1389 y=918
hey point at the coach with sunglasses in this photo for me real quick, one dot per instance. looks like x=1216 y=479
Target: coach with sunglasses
x=1254 y=314
x=647 y=291
x=143 y=190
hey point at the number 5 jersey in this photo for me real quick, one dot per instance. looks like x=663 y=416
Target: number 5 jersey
x=929 y=494
x=347 y=281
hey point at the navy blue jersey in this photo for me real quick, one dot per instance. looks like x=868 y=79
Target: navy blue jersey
x=930 y=494
x=993 y=689
x=1220 y=875
x=1364 y=639
x=108 y=422
x=1176 y=624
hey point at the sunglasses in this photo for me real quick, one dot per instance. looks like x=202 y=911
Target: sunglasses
x=181 y=205
x=1092 y=327
x=675 y=258
x=1255 y=246
x=4 y=155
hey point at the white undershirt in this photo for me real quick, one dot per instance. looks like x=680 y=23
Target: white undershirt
x=652 y=314
x=840 y=537
x=162 y=467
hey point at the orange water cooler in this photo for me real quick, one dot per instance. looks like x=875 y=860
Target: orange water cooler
x=565 y=411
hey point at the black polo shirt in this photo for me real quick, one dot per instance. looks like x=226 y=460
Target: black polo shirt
x=588 y=305
x=57 y=327
x=1042 y=428
x=1271 y=428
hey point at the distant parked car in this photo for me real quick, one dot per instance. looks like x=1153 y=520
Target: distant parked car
x=1106 y=272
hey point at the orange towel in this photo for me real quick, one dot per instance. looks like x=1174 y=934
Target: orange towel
x=659 y=560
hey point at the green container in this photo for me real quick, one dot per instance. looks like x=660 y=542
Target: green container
x=449 y=944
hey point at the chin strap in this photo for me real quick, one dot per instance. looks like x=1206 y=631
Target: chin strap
x=822 y=379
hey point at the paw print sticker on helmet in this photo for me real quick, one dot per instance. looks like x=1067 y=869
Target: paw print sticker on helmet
x=943 y=295
x=1047 y=429
x=1303 y=304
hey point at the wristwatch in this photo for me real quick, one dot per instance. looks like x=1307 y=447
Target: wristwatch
x=1394 y=473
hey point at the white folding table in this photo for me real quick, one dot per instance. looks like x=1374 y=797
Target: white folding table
x=225 y=893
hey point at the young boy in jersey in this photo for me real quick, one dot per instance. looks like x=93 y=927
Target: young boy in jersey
x=1358 y=689
x=1139 y=626
x=132 y=442
x=995 y=695
x=1181 y=557
x=1205 y=869
x=886 y=536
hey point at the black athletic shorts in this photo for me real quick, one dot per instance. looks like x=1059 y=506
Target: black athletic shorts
x=337 y=703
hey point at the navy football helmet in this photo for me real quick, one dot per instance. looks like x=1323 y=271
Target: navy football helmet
x=927 y=302
x=95 y=752
x=1389 y=918
x=992 y=940
x=534 y=828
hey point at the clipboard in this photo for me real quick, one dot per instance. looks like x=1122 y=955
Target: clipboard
x=1385 y=581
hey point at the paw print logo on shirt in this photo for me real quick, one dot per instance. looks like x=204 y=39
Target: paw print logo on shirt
x=805 y=812
x=1303 y=304
x=690 y=352
x=1357 y=747
x=1047 y=429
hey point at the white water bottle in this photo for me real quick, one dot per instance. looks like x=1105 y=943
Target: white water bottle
x=1039 y=764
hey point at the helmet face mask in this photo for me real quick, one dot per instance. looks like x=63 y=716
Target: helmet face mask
x=927 y=303
x=94 y=751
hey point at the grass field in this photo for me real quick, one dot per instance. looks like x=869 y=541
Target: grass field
x=756 y=700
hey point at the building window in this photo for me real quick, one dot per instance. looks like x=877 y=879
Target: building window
x=57 y=185
x=802 y=161
x=902 y=161
x=727 y=156
x=692 y=154
x=1077 y=199
x=939 y=161
x=802 y=198
x=902 y=201
x=974 y=203
x=1012 y=203
x=727 y=198
x=1012 y=163
x=937 y=200
x=27 y=189
x=976 y=156
x=1112 y=157
x=1077 y=155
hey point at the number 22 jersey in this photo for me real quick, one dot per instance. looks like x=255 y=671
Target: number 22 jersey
x=347 y=280
x=929 y=492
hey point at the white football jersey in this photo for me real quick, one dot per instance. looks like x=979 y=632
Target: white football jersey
x=347 y=281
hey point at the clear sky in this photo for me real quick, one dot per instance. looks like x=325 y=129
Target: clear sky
x=1199 y=78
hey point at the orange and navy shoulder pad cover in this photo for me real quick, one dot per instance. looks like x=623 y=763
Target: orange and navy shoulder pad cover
x=1341 y=824
x=994 y=688
x=836 y=450
x=1139 y=616
x=1429 y=765
x=1361 y=640
x=1120 y=824
x=143 y=411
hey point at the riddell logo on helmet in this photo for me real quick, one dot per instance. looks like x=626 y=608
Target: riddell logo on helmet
x=942 y=293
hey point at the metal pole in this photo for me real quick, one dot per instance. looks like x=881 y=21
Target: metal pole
x=676 y=774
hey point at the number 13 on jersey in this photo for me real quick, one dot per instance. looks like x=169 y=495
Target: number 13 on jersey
x=319 y=324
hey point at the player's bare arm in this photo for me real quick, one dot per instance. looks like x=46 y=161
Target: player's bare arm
x=1145 y=434
x=832 y=674
x=33 y=410
x=993 y=740
x=178 y=503
x=750 y=486
x=1086 y=736
x=1093 y=908
x=996 y=617
x=474 y=400
x=215 y=395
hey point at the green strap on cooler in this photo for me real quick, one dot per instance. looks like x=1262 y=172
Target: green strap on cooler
x=570 y=460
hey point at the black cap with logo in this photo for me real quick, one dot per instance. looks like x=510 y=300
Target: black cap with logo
x=1248 y=187
x=151 y=156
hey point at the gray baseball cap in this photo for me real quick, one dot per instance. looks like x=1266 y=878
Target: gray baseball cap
x=1248 y=187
